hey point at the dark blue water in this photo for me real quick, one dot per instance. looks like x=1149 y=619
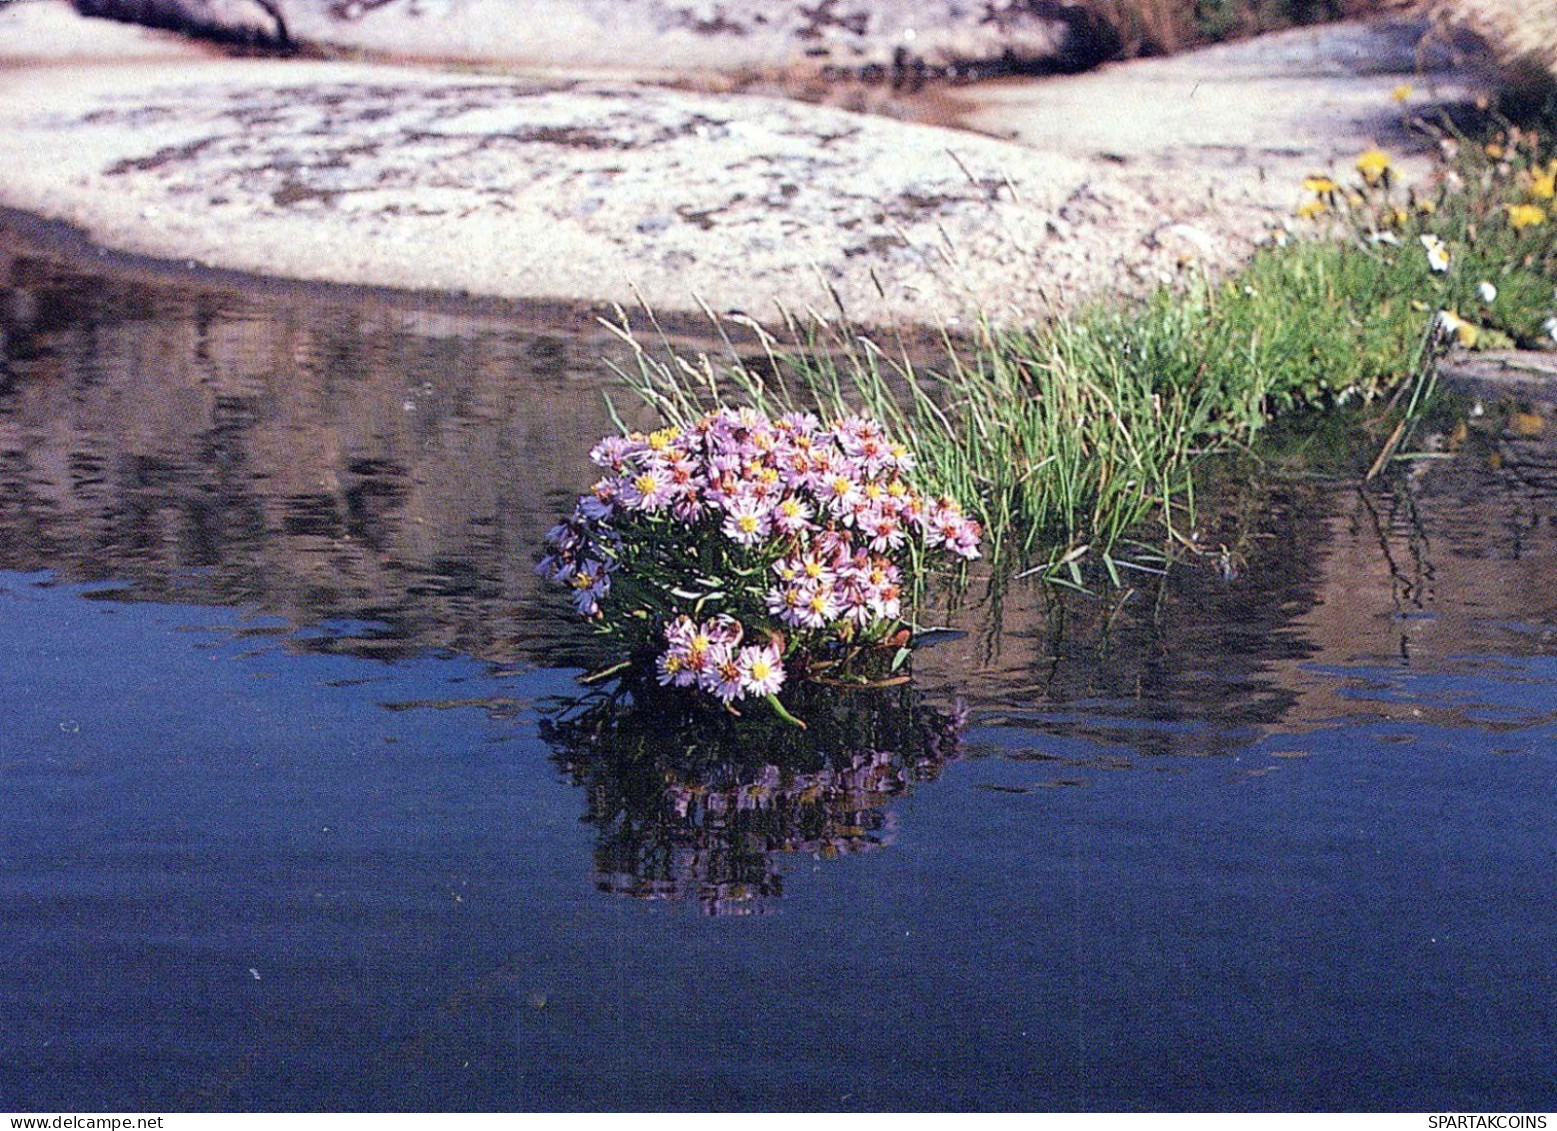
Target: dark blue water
x=291 y=817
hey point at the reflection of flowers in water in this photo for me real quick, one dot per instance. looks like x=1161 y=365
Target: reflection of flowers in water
x=693 y=805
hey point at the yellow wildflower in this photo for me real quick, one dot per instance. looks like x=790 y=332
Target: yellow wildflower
x=1320 y=185
x=1452 y=325
x=1523 y=216
x=1401 y=92
x=1374 y=167
x=1494 y=150
x=1310 y=209
x=660 y=441
x=1544 y=187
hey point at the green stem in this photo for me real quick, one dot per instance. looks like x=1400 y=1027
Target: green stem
x=782 y=712
x=605 y=673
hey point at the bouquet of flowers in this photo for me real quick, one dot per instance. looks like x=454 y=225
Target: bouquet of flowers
x=728 y=553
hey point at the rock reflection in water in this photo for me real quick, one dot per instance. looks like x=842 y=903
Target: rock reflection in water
x=694 y=805
x=316 y=455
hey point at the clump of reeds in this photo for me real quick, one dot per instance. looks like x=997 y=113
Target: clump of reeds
x=1069 y=439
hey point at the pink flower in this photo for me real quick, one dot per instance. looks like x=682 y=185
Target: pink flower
x=761 y=670
x=787 y=602
x=958 y=534
x=840 y=492
x=873 y=452
x=724 y=629
x=679 y=632
x=590 y=583
x=692 y=648
x=820 y=607
x=966 y=542
x=648 y=490
x=688 y=509
x=854 y=605
x=612 y=452
x=808 y=570
x=885 y=532
x=886 y=602
x=600 y=504
x=830 y=545
x=793 y=515
x=672 y=669
x=746 y=521
x=683 y=475
x=721 y=675
x=801 y=423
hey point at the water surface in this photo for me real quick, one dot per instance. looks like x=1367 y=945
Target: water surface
x=298 y=813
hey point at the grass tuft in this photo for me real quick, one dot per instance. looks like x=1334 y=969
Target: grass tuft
x=1076 y=443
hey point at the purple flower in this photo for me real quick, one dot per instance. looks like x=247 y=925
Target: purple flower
x=746 y=520
x=792 y=515
x=825 y=507
x=648 y=490
x=721 y=675
x=787 y=602
x=761 y=670
x=820 y=607
x=612 y=452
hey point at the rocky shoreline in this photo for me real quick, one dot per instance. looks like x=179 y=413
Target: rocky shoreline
x=565 y=184
x=941 y=36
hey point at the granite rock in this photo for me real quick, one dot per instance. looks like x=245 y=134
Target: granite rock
x=902 y=37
